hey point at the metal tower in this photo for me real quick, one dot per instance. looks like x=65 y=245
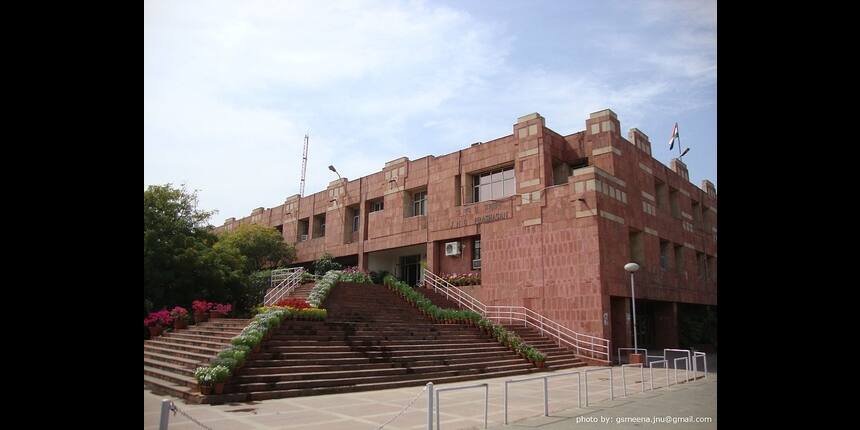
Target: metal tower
x=304 y=167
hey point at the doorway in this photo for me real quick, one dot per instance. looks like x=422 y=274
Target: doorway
x=410 y=269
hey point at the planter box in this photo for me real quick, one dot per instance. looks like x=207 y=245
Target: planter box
x=637 y=358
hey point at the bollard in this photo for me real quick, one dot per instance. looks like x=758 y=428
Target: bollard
x=545 y=397
x=429 y=406
x=165 y=414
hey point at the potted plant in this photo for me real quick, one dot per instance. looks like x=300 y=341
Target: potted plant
x=220 y=374
x=205 y=379
x=156 y=321
x=200 y=307
x=180 y=317
x=220 y=311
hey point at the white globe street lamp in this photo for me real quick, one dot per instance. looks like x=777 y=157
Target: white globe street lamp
x=632 y=267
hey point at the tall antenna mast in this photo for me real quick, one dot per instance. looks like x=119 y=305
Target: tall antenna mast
x=304 y=167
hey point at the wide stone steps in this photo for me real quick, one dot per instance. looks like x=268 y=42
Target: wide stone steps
x=169 y=360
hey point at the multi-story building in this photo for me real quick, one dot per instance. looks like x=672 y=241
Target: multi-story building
x=549 y=221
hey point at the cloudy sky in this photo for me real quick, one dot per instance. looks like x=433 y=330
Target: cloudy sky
x=231 y=88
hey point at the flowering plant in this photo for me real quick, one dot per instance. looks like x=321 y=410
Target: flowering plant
x=222 y=309
x=179 y=314
x=293 y=303
x=459 y=279
x=352 y=274
x=200 y=306
x=161 y=317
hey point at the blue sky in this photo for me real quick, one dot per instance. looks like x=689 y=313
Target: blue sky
x=231 y=88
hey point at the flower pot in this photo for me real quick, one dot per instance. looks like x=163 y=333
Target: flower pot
x=180 y=324
x=154 y=331
x=205 y=389
x=256 y=348
x=219 y=388
x=215 y=315
x=540 y=364
x=200 y=317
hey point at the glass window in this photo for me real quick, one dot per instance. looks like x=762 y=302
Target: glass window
x=377 y=205
x=419 y=203
x=494 y=185
x=355 y=223
x=476 y=254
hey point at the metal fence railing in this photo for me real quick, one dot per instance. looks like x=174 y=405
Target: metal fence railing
x=464 y=387
x=585 y=345
x=545 y=389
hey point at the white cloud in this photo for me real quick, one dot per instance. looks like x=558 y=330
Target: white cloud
x=230 y=88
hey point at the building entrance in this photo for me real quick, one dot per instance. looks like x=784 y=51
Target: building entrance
x=410 y=269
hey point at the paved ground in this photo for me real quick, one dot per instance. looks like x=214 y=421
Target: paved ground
x=464 y=409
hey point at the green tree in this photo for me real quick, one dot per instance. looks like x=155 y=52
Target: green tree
x=263 y=247
x=326 y=263
x=179 y=261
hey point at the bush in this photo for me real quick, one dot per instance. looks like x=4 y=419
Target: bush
x=325 y=264
x=352 y=274
x=293 y=303
x=322 y=288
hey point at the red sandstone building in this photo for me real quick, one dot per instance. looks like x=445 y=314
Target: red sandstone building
x=549 y=220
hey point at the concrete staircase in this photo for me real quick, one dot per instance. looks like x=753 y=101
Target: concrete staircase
x=556 y=357
x=169 y=360
x=371 y=340
x=302 y=291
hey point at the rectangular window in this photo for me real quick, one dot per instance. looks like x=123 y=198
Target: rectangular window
x=674 y=203
x=701 y=265
x=664 y=255
x=679 y=258
x=476 y=254
x=637 y=251
x=494 y=185
x=709 y=266
x=377 y=205
x=355 y=223
x=660 y=193
x=419 y=203
x=303 y=228
x=319 y=226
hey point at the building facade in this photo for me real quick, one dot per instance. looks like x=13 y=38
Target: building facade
x=549 y=221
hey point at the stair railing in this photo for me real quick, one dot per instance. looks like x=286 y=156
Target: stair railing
x=283 y=282
x=585 y=345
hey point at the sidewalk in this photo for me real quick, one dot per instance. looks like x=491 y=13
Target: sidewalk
x=459 y=409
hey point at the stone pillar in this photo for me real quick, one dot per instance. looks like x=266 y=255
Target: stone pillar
x=433 y=256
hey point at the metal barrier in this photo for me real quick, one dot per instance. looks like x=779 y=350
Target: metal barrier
x=686 y=369
x=464 y=387
x=704 y=361
x=687 y=351
x=624 y=376
x=651 y=372
x=630 y=349
x=611 y=393
x=545 y=390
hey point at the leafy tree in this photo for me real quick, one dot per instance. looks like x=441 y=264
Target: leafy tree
x=179 y=261
x=263 y=247
x=326 y=263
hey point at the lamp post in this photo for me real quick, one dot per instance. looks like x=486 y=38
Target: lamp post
x=330 y=167
x=633 y=267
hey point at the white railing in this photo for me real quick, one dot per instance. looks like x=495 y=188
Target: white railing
x=545 y=390
x=585 y=345
x=283 y=282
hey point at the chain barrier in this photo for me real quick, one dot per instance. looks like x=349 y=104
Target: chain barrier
x=176 y=409
x=404 y=409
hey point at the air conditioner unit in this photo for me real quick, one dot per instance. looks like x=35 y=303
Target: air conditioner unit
x=476 y=264
x=304 y=238
x=452 y=248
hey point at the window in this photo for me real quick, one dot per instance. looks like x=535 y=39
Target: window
x=355 y=223
x=660 y=193
x=419 y=203
x=494 y=185
x=303 y=230
x=377 y=205
x=709 y=266
x=674 y=203
x=679 y=258
x=637 y=251
x=476 y=254
x=701 y=265
x=697 y=212
x=664 y=255
x=319 y=226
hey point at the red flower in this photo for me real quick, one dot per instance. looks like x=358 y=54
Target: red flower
x=201 y=306
x=293 y=303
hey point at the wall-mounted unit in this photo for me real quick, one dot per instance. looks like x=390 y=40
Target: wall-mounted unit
x=452 y=248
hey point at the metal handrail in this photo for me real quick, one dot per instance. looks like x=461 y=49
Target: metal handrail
x=624 y=376
x=545 y=389
x=463 y=387
x=704 y=361
x=611 y=391
x=651 y=372
x=594 y=347
x=285 y=287
x=686 y=369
